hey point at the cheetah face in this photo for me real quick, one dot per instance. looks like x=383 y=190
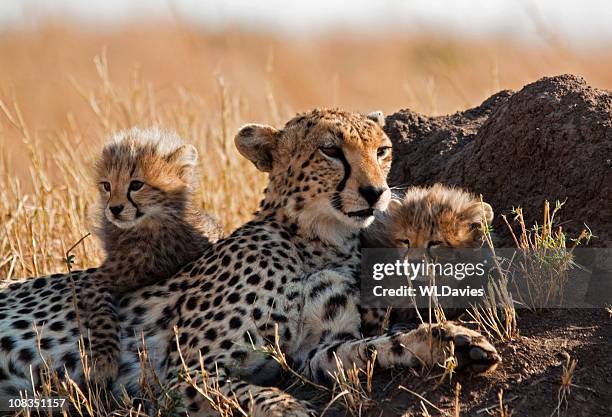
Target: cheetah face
x=141 y=185
x=355 y=170
x=121 y=208
x=131 y=202
x=327 y=167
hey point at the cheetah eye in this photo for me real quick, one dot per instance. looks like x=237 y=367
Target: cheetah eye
x=106 y=185
x=136 y=185
x=331 y=151
x=383 y=152
x=434 y=243
x=405 y=242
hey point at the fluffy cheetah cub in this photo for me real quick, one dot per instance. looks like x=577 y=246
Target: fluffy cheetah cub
x=425 y=217
x=149 y=228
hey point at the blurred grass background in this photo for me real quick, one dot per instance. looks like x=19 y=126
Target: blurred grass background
x=63 y=88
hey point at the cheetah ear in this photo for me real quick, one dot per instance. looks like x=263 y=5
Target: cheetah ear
x=478 y=213
x=394 y=205
x=257 y=143
x=377 y=116
x=185 y=157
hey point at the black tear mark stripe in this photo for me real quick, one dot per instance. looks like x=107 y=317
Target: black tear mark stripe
x=129 y=197
x=347 y=172
x=336 y=200
x=138 y=212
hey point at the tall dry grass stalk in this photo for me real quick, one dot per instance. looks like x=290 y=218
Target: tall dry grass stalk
x=566 y=384
x=496 y=312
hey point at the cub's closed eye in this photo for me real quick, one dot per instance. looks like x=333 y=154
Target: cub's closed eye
x=136 y=185
x=331 y=151
x=434 y=243
x=383 y=152
x=106 y=185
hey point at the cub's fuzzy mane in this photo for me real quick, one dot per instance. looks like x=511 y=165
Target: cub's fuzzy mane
x=429 y=207
x=164 y=141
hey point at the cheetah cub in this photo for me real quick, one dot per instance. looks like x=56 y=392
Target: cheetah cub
x=425 y=217
x=149 y=226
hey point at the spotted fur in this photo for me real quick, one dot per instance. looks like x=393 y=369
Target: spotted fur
x=290 y=271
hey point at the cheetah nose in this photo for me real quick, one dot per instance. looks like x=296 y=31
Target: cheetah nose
x=371 y=194
x=116 y=210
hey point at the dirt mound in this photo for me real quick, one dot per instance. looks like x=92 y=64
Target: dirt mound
x=552 y=140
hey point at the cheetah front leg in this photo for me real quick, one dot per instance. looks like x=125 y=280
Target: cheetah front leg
x=100 y=326
x=425 y=346
x=331 y=313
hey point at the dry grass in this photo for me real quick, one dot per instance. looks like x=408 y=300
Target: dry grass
x=544 y=259
x=566 y=384
x=63 y=90
x=496 y=313
x=349 y=386
x=457 y=402
x=503 y=408
x=538 y=271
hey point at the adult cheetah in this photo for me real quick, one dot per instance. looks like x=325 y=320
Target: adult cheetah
x=291 y=270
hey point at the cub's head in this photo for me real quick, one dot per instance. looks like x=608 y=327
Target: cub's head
x=144 y=175
x=327 y=169
x=436 y=216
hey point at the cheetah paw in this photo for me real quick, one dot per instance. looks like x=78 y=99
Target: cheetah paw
x=472 y=350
